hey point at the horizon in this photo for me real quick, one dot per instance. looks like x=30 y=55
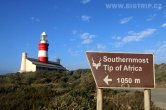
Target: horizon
x=76 y=26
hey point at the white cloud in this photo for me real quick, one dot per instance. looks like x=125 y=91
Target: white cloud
x=159 y=53
x=85 y=18
x=138 y=36
x=163 y=25
x=135 y=37
x=85 y=1
x=87 y=38
x=65 y=45
x=34 y=19
x=149 y=51
x=74 y=32
x=87 y=41
x=116 y=37
x=161 y=49
x=72 y=39
x=126 y=20
x=151 y=17
x=74 y=52
x=160 y=7
x=101 y=46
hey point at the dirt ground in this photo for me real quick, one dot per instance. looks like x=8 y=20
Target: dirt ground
x=158 y=96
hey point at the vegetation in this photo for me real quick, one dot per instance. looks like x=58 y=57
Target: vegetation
x=73 y=90
x=161 y=74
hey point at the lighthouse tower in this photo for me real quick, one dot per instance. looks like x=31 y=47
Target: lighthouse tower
x=43 y=48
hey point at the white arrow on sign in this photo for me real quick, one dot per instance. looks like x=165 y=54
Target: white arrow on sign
x=106 y=80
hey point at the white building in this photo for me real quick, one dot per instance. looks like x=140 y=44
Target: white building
x=42 y=63
x=33 y=65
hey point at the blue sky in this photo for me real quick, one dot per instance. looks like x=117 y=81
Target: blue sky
x=76 y=26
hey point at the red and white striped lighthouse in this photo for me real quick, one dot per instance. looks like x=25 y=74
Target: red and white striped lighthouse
x=43 y=48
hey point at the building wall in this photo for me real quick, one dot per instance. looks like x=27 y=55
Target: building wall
x=30 y=67
x=23 y=63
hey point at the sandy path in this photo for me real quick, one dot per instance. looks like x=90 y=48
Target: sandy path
x=158 y=96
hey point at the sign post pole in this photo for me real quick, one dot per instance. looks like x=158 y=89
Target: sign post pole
x=99 y=99
x=147 y=99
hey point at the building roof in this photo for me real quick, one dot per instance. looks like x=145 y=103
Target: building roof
x=50 y=64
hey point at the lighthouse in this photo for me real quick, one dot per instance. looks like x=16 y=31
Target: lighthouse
x=43 y=48
x=42 y=63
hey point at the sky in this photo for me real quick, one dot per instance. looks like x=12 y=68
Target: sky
x=76 y=26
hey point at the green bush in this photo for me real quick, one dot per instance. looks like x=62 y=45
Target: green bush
x=74 y=90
